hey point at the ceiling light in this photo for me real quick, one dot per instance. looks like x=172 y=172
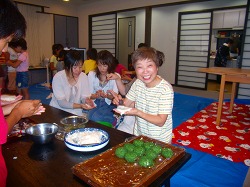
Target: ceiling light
x=65 y=0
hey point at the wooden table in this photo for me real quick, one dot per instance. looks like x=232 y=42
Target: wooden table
x=50 y=165
x=233 y=75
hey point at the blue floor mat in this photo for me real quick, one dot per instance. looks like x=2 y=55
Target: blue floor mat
x=37 y=91
x=203 y=170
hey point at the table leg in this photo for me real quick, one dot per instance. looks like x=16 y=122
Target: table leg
x=221 y=98
x=232 y=97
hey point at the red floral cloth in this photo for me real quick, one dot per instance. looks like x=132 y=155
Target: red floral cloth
x=229 y=140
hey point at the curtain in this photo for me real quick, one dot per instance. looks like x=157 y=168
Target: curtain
x=39 y=35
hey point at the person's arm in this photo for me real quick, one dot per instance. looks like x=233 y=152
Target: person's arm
x=91 y=80
x=158 y=120
x=14 y=63
x=119 y=83
x=24 y=109
x=8 y=108
x=69 y=105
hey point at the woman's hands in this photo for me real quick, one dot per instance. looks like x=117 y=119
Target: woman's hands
x=23 y=109
x=88 y=105
x=117 y=98
x=27 y=108
x=102 y=94
x=113 y=76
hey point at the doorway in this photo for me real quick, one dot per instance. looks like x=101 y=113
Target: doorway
x=126 y=39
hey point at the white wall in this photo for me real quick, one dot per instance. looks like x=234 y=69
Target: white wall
x=139 y=25
x=164 y=21
x=55 y=6
x=164 y=24
x=103 y=6
x=164 y=35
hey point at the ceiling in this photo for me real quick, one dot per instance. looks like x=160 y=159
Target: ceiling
x=77 y=2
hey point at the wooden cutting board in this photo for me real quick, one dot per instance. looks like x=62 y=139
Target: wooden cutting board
x=106 y=169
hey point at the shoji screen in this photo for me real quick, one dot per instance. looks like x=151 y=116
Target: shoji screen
x=244 y=89
x=193 y=48
x=103 y=32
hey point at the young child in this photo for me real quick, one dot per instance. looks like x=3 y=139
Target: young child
x=56 y=49
x=99 y=87
x=11 y=70
x=90 y=63
x=22 y=66
x=150 y=97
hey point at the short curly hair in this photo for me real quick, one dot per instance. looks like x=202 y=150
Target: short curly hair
x=143 y=53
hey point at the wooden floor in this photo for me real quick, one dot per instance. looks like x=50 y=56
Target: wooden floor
x=214 y=86
x=211 y=92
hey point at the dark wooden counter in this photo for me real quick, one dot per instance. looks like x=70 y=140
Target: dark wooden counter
x=50 y=165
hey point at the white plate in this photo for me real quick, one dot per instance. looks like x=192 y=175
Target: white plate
x=88 y=147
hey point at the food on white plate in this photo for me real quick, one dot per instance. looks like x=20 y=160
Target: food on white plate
x=82 y=138
x=6 y=97
x=122 y=109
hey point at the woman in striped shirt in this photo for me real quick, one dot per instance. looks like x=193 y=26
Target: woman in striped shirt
x=150 y=96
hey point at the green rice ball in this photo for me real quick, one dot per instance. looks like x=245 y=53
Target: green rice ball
x=148 y=145
x=130 y=157
x=139 y=151
x=146 y=162
x=129 y=146
x=151 y=154
x=138 y=143
x=120 y=152
x=157 y=149
x=167 y=152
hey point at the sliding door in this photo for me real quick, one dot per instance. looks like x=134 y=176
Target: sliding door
x=193 y=49
x=66 y=31
x=103 y=32
x=244 y=89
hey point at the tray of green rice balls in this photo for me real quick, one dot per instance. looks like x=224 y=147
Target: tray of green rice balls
x=136 y=162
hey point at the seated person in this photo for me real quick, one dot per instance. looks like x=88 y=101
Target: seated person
x=90 y=63
x=60 y=61
x=121 y=69
x=150 y=97
x=56 y=49
x=70 y=86
x=100 y=86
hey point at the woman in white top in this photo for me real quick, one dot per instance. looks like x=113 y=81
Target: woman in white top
x=100 y=87
x=71 y=90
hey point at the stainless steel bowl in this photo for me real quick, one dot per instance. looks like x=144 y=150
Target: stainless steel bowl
x=74 y=122
x=42 y=133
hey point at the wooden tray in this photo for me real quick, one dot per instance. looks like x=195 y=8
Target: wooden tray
x=106 y=169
